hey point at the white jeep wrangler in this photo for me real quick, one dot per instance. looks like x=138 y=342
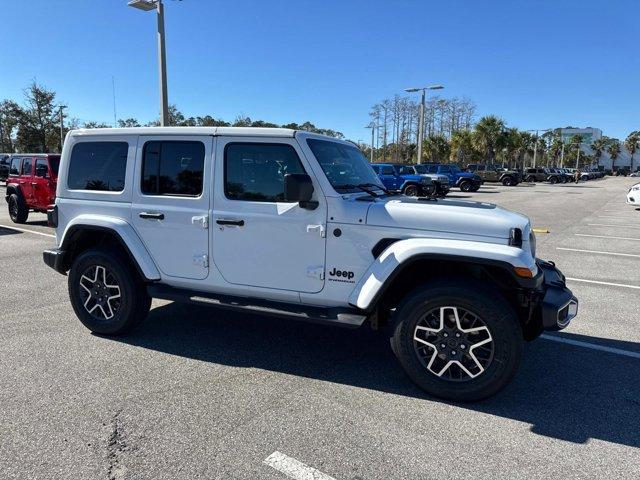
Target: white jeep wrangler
x=291 y=223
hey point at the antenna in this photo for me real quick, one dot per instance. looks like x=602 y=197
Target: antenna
x=113 y=86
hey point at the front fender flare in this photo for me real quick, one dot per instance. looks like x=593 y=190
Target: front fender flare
x=390 y=262
x=129 y=239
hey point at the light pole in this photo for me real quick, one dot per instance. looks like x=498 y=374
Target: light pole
x=372 y=126
x=61 y=107
x=148 y=5
x=421 y=114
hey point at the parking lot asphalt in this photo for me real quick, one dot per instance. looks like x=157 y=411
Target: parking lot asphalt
x=202 y=393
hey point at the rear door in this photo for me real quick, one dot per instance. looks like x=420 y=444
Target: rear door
x=41 y=184
x=389 y=177
x=170 y=208
x=26 y=180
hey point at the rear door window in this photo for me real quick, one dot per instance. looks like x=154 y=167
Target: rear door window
x=27 y=166
x=387 y=170
x=173 y=168
x=99 y=166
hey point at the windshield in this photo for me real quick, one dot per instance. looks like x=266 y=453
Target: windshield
x=344 y=165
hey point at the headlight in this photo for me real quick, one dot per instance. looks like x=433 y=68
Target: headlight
x=532 y=244
x=636 y=187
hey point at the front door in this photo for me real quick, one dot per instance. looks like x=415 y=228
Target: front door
x=171 y=202
x=260 y=240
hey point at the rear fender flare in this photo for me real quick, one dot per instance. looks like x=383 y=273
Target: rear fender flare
x=125 y=234
x=381 y=273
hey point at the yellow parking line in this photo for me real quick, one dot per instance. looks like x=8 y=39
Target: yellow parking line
x=540 y=230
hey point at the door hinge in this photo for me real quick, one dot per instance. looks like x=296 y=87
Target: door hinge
x=202 y=221
x=317 y=229
x=316 y=272
x=201 y=260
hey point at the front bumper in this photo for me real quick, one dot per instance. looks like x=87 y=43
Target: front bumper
x=557 y=305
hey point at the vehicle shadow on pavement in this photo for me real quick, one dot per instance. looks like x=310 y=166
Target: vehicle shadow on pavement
x=565 y=392
x=8 y=231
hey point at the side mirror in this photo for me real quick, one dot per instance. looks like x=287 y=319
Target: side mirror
x=299 y=188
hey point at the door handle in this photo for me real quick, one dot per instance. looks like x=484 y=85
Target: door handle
x=226 y=221
x=153 y=216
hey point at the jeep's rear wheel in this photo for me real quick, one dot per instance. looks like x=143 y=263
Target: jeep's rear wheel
x=106 y=293
x=18 y=211
x=411 y=190
x=507 y=181
x=553 y=180
x=456 y=341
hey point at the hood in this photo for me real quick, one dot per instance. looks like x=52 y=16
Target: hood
x=447 y=216
x=437 y=177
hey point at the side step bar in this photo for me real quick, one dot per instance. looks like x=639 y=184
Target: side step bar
x=342 y=317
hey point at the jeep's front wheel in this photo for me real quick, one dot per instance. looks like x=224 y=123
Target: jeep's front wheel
x=456 y=341
x=507 y=181
x=465 y=186
x=18 y=211
x=106 y=293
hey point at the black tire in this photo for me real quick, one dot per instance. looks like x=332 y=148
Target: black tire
x=475 y=187
x=410 y=191
x=553 y=180
x=126 y=311
x=530 y=179
x=465 y=186
x=505 y=333
x=507 y=181
x=18 y=210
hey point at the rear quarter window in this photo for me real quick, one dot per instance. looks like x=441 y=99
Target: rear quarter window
x=98 y=166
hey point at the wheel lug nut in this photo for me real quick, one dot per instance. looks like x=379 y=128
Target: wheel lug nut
x=443 y=345
x=457 y=334
x=453 y=352
x=463 y=347
x=445 y=334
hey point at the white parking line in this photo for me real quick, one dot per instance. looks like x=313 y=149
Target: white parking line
x=27 y=231
x=605 y=236
x=598 y=252
x=609 y=225
x=593 y=346
x=293 y=468
x=597 y=282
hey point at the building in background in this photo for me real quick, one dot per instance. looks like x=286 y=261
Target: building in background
x=589 y=135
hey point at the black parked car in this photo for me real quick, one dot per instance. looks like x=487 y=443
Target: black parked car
x=5 y=160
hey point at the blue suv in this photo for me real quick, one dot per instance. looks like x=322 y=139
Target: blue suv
x=410 y=184
x=465 y=181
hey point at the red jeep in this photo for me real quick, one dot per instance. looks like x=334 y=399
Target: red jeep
x=31 y=184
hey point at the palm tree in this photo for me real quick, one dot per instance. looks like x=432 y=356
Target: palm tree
x=613 y=150
x=632 y=144
x=489 y=136
x=575 y=143
x=436 y=147
x=462 y=148
x=598 y=146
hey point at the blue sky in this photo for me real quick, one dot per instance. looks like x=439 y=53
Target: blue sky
x=537 y=64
